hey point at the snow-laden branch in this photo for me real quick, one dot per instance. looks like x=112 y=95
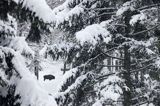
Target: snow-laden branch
x=93 y=34
x=38 y=7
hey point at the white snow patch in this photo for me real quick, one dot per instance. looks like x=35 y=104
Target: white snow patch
x=43 y=51
x=126 y=6
x=32 y=93
x=98 y=103
x=139 y=17
x=93 y=34
x=52 y=68
x=40 y=8
x=10 y=26
x=19 y=44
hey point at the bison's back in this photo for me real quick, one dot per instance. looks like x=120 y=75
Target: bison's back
x=49 y=77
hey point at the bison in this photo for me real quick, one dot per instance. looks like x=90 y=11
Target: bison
x=49 y=77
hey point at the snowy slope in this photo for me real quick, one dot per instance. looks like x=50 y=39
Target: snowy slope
x=53 y=68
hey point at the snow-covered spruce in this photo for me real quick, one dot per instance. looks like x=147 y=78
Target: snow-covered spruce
x=26 y=85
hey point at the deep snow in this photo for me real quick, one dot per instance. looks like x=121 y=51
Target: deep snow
x=53 y=68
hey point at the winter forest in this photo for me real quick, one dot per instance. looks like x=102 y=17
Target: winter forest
x=79 y=52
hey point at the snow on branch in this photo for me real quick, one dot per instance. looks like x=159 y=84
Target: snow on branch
x=68 y=74
x=66 y=14
x=70 y=10
x=138 y=18
x=78 y=82
x=93 y=34
x=142 y=46
x=110 y=88
x=19 y=44
x=126 y=6
x=72 y=90
x=9 y=27
x=157 y=62
x=39 y=7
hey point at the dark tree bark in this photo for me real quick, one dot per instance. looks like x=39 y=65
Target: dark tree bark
x=127 y=77
x=34 y=34
x=3 y=9
x=127 y=64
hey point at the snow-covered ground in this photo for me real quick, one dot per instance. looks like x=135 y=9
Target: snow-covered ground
x=53 y=68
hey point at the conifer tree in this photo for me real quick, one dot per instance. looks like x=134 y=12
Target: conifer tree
x=128 y=31
x=13 y=51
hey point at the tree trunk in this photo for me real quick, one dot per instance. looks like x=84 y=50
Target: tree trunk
x=126 y=76
x=158 y=13
x=127 y=64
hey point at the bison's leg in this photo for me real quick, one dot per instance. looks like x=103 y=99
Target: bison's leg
x=44 y=78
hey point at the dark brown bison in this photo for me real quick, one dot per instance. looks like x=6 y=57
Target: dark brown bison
x=49 y=77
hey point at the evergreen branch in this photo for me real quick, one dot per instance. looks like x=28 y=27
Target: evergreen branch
x=144 y=31
x=113 y=56
x=122 y=72
x=106 y=75
x=142 y=68
x=150 y=6
x=101 y=9
x=142 y=62
x=108 y=13
x=133 y=71
x=110 y=65
x=113 y=8
x=99 y=55
x=113 y=13
x=142 y=103
x=2 y=82
x=123 y=25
